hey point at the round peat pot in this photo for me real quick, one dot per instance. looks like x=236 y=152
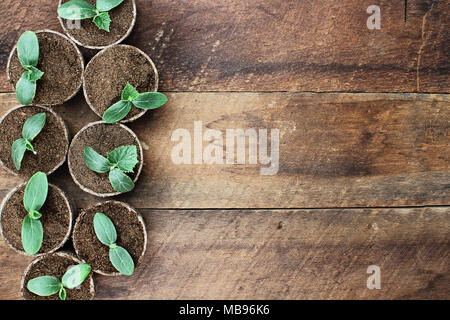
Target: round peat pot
x=131 y=235
x=103 y=138
x=56 y=219
x=56 y=264
x=86 y=34
x=62 y=64
x=51 y=144
x=109 y=71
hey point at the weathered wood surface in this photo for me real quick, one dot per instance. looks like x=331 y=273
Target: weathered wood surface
x=279 y=254
x=336 y=150
x=275 y=45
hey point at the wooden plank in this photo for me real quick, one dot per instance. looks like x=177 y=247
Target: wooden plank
x=275 y=45
x=336 y=150
x=279 y=254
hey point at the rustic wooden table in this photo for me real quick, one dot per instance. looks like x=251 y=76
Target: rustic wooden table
x=364 y=149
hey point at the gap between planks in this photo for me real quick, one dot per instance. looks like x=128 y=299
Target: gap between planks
x=291 y=209
x=417 y=94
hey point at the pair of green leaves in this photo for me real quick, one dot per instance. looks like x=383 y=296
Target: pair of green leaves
x=107 y=234
x=28 y=53
x=33 y=199
x=48 y=285
x=120 y=161
x=30 y=130
x=80 y=9
x=130 y=97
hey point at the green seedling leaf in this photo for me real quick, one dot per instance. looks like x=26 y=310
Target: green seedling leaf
x=33 y=126
x=28 y=53
x=129 y=93
x=35 y=192
x=30 y=130
x=124 y=157
x=28 y=49
x=150 y=100
x=77 y=10
x=103 y=21
x=147 y=100
x=75 y=275
x=44 y=286
x=104 y=229
x=49 y=285
x=117 y=111
x=33 y=199
x=18 y=151
x=106 y=233
x=62 y=294
x=120 y=181
x=29 y=146
x=94 y=161
x=25 y=89
x=32 y=235
x=35 y=215
x=121 y=260
x=34 y=74
x=106 y=5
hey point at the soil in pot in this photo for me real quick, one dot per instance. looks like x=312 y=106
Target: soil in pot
x=56 y=265
x=51 y=144
x=130 y=235
x=103 y=138
x=62 y=64
x=109 y=71
x=89 y=35
x=56 y=219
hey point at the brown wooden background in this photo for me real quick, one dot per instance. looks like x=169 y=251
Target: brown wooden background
x=364 y=149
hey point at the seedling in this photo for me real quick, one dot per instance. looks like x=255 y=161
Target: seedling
x=80 y=9
x=49 y=285
x=28 y=53
x=120 y=161
x=32 y=127
x=33 y=200
x=130 y=97
x=106 y=233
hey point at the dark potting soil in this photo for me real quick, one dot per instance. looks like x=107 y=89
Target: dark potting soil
x=102 y=138
x=90 y=35
x=55 y=219
x=50 y=144
x=108 y=73
x=130 y=235
x=55 y=265
x=59 y=60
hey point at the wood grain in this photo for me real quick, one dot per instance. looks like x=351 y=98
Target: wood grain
x=277 y=45
x=336 y=150
x=279 y=254
x=311 y=230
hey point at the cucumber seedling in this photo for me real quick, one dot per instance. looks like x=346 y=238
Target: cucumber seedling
x=80 y=9
x=28 y=54
x=33 y=199
x=32 y=127
x=118 y=162
x=107 y=234
x=45 y=286
x=130 y=97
